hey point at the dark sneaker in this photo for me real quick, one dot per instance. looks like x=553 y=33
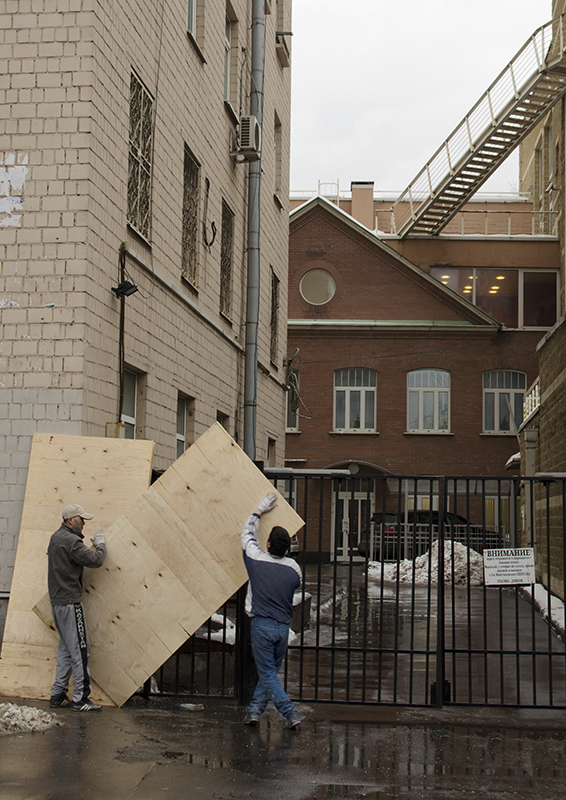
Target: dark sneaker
x=293 y=722
x=85 y=705
x=59 y=701
x=251 y=719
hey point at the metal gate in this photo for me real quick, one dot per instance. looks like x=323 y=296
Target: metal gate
x=398 y=613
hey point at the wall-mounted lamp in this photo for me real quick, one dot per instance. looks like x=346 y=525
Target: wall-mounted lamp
x=125 y=289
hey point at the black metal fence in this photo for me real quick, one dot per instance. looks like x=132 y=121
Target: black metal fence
x=394 y=608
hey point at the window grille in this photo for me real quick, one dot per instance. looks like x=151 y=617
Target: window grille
x=226 y=249
x=274 y=342
x=139 y=166
x=190 y=218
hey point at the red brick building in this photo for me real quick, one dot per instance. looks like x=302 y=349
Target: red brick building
x=396 y=373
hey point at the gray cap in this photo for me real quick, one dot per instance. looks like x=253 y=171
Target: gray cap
x=75 y=510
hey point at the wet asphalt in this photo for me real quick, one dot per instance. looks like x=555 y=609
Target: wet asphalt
x=151 y=749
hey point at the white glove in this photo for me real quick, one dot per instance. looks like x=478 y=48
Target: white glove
x=98 y=539
x=268 y=502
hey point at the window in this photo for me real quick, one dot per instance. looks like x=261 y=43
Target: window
x=518 y=298
x=185 y=423
x=354 y=399
x=317 y=287
x=140 y=157
x=277 y=158
x=428 y=401
x=181 y=434
x=190 y=218
x=271 y=453
x=129 y=404
x=226 y=250
x=230 y=56
x=192 y=17
x=223 y=419
x=274 y=341
x=503 y=392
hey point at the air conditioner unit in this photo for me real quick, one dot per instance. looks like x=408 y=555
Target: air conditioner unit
x=250 y=138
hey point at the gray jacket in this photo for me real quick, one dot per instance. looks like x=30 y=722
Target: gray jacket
x=67 y=555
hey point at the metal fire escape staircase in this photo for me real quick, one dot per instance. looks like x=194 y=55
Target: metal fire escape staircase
x=512 y=106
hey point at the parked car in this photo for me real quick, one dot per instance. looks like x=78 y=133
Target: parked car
x=390 y=538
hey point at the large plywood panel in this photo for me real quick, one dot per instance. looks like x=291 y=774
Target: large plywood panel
x=174 y=558
x=102 y=475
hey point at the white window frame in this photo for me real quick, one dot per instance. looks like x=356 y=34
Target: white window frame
x=421 y=395
x=362 y=382
x=498 y=393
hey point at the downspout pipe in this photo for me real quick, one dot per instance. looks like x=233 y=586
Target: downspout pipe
x=254 y=200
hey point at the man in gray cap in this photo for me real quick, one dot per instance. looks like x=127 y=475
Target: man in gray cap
x=67 y=555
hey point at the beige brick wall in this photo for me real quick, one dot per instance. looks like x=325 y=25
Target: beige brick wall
x=65 y=70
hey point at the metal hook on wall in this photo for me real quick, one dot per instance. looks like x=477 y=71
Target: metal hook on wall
x=212 y=224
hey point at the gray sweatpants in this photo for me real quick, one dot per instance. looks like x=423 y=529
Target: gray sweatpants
x=73 y=652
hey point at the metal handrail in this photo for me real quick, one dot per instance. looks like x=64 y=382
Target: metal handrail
x=506 y=88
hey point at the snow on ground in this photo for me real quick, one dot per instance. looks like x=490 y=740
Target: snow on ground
x=425 y=567
x=24 y=719
x=541 y=599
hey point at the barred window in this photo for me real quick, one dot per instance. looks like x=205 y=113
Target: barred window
x=190 y=217
x=139 y=166
x=274 y=342
x=226 y=250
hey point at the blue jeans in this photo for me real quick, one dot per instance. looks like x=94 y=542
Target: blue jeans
x=269 y=645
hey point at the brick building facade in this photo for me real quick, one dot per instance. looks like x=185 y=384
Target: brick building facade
x=117 y=124
x=380 y=339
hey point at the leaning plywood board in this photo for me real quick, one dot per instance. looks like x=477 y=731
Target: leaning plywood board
x=173 y=559
x=102 y=475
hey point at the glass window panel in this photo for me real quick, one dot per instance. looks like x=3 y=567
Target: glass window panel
x=370 y=410
x=129 y=402
x=522 y=380
x=317 y=286
x=181 y=416
x=180 y=448
x=355 y=405
x=501 y=302
x=129 y=430
x=504 y=411
x=340 y=409
x=489 y=401
x=518 y=410
x=428 y=411
x=413 y=411
x=443 y=411
x=539 y=299
x=459 y=279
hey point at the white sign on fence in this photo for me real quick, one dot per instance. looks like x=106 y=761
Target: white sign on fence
x=509 y=566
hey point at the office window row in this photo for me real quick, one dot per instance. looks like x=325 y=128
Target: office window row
x=518 y=298
x=428 y=401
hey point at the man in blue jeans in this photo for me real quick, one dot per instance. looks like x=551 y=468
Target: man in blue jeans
x=274 y=579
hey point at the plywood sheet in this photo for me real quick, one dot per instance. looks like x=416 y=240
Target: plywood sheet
x=174 y=558
x=102 y=475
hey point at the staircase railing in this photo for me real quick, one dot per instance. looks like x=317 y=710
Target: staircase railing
x=540 y=53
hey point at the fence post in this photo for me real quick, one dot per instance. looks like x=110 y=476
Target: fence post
x=440 y=642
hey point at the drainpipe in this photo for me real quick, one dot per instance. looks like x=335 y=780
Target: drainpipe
x=245 y=677
x=254 y=198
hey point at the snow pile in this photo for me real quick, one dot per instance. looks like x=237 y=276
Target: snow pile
x=23 y=719
x=418 y=570
x=545 y=602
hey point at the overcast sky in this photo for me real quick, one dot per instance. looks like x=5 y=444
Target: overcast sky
x=378 y=85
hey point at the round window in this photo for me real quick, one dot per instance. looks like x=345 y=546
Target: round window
x=317 y=286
